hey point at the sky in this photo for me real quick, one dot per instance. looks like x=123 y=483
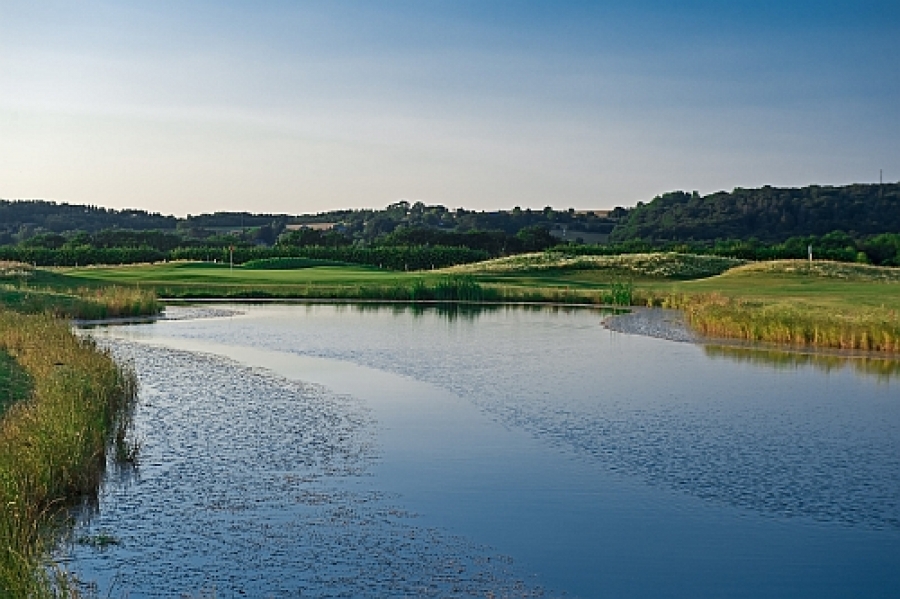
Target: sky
x=290 y=106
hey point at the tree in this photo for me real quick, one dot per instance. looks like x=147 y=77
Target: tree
x=535 y=238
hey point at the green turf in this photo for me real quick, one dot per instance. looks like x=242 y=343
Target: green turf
x=206 y=274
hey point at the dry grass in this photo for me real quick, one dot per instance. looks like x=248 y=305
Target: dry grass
x=659 y=265
x=824 y=268
x=714 y=315
x=15 y=269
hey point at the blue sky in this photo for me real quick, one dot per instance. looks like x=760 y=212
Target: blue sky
x=188 y=107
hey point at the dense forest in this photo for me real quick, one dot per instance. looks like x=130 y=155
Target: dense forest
x=850 y=223
x=21 y=221
x=769 y=214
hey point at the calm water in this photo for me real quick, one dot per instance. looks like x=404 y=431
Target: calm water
x=339 y=451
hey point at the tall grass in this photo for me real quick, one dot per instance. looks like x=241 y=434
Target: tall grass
x=714 y=315
x=83 y=303
x=15 y=384
x=52 y=444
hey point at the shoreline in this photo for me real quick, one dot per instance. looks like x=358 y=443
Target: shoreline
x=659 y=323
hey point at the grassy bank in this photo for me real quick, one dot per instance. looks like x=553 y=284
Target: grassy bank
x=871 y=329
x=793 y=302
x=52 y=442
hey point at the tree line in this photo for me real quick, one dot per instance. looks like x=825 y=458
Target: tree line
x=768 y=214
x=880 y=250
x=849 y=223
x=388 y=257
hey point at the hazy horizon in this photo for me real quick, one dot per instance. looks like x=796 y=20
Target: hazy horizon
x=283 y=107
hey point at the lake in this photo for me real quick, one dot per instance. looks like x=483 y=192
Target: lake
x=396 y=451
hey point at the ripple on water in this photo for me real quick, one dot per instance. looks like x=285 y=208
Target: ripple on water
x=786 y=444
x=252 y=485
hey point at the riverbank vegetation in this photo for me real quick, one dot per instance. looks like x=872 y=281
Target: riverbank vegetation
x=53 y=442
x=28 y=290
x=794 y=324
x=793 y=302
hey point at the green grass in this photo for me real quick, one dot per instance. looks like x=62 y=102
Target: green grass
x=15 y=384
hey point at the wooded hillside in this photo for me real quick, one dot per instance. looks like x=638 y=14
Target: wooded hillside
x=769 y=214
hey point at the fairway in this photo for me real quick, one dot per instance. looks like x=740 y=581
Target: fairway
x=214 y=275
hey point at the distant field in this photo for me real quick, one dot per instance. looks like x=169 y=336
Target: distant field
x=828 y=285
x=214 y=275
x=794 y=302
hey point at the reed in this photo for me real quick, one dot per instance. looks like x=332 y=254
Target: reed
x=52 y=444
x=87 y=303
x=15 y=384
x=715 y=315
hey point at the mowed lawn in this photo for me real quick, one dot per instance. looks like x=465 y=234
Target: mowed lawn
x=206 y=275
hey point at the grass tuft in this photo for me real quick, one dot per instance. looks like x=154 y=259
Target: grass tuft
x=797 y=324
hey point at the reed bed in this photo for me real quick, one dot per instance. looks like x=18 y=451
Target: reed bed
x=83 y=303
x=52 y=444
x=714 y=315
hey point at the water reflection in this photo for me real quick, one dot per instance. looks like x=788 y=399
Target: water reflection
x=609 y=465
x=882 y=368
x=460 y=310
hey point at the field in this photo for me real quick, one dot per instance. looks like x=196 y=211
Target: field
x=823 y=303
